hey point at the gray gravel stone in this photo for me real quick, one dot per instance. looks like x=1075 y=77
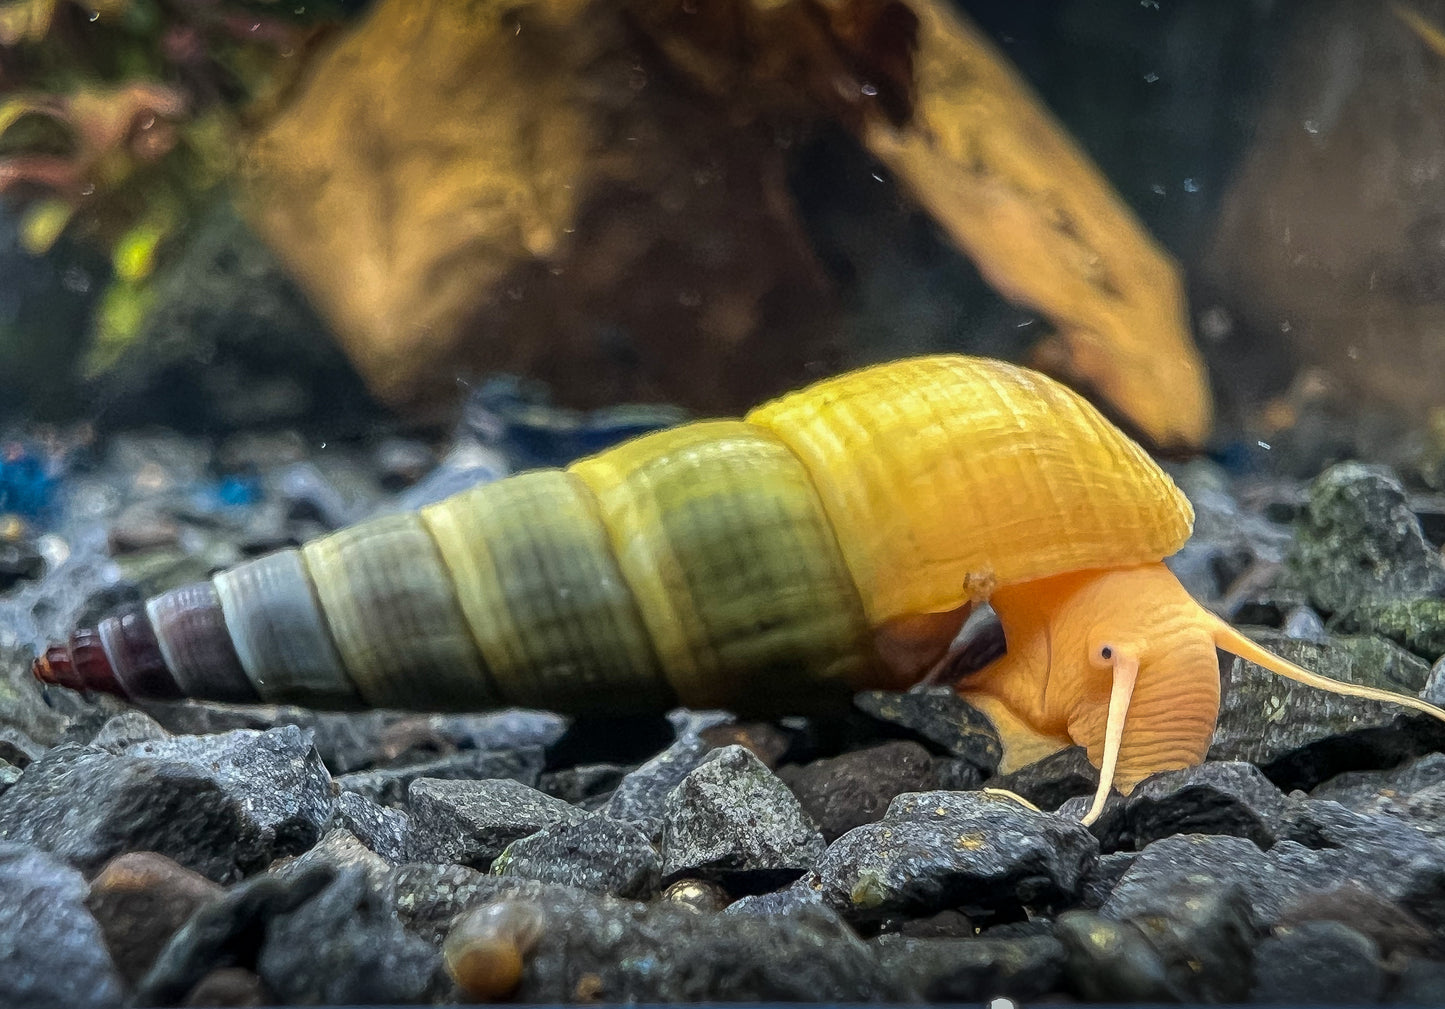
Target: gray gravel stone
x=384 y=830
x=840 y=793
x=1419 y=981
x=937 y=850
x=388 y=786
x=221 y=805
x=1318 y=963
x=588 y=786
x=1052 y=781
x=52 y=952
x=940 y=716
x=597 y=854
x=1388 y=856
x=1270 y=880
x=1217 y=797
x=345 y=946
x=1204 y=935
x=1359 y=542
x=1413 y=791
x=974 y=970
x=641 y=795
x=662 y=954
x=472 y=822
x=276 y=776
x=733 y=820
x=9 y=774
x=1111 y=961
x=1299 y=736
x=428 y=898
x=339 y=850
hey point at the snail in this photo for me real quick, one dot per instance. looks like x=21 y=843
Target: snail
x=833 y=541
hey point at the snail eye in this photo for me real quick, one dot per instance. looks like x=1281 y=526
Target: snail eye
x=1106 y=652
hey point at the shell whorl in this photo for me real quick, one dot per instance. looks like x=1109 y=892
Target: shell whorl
x=945 y=477
x=743 y=564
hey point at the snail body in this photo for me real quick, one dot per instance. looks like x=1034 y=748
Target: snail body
x=834 y=540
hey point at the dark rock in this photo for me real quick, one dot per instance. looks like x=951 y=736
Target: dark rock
x=1298 y=735
x=955 y=774
x=1112 y=826
x=589 y=786
x=974 y=970
x=941 y=717
x=389 y=786
x=948 y=924
x=222 y=805
x=1050 y=782
x=597 y=854
x=1269 y=880
x=1358 y=542
x=840 y=793
x=1111 y=961
x=338 y=850
x=18 y=748
x=346 y=741
x=662 y=954
x=227 y=932
x=937 y=850
x=335 y=496
x=1203 y=934
x=1414 y=791
x=384 y=830
x=429 y=898
x=9 y=774
x=733 y=820
x=794 y=899
x=411 y=739
x=1361 y=791
x=1303 y=624
x=230 y=987
x=19 y=561
x=472 y=822
x=642 y=794
x=1103 y=876
x=141 y=900
x=125 y=729
x=1416 y=624
x=1318 y=963
x=1419 y=982
x=1434 y=689
x=276 y=776
x=1393 y=859
x=345 y=946
x=401 y=462
x=1392 y=928
x=52 y=951
x=1216 y=797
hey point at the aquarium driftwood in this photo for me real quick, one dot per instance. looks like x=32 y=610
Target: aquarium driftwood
x=596 y=194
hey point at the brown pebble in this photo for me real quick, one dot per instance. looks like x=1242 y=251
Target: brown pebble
x=486 y=950
x=767 y=742
x=140 y=900
x=229 y=986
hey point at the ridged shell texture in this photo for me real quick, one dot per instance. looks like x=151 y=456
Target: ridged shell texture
x=736 y=563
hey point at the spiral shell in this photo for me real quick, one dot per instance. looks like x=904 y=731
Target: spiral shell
x=752 y=564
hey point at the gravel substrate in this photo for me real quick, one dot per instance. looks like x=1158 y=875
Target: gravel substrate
x=210 y=855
